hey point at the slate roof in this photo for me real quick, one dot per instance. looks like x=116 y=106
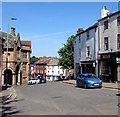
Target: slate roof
x=43 y=61
x=10 y=40
x=54 y=63
x=26 y=43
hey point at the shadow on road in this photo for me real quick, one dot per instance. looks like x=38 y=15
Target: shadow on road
x=7 y=108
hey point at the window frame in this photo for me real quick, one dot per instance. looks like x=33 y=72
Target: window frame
x=118 y=21
x=118 y=41
x=105 y=24
x=106 y=43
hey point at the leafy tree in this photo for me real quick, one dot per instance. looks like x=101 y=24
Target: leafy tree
x=33 y=59
x=66 y=54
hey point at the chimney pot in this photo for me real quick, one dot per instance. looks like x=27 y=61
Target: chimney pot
x=105 y=7
x=79 y=31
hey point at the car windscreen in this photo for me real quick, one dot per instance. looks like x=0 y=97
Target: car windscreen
x=89 y=76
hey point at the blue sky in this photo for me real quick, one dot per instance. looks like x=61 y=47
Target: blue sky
x=49 y=24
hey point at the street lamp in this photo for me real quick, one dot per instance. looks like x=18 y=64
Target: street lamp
x=7 y=49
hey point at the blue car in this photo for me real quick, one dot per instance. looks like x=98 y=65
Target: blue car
x=88 y=80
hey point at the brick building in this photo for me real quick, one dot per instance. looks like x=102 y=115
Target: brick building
x=18 y=59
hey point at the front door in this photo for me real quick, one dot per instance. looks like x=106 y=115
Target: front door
x=118 y=72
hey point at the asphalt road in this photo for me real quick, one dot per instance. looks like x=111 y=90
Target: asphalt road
x=57 y=98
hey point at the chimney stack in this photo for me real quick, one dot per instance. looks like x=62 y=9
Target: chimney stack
x=12 y=31
x=79 y=31
x=104 y=12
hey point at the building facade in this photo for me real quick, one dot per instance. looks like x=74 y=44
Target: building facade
x=109 y=48
x=86 y=51
x=40 y=65
x=97 y=49
x=54 y=71
x=16 y=70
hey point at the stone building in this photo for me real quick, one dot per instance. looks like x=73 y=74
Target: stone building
x=18 y=59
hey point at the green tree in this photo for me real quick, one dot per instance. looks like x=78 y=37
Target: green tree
x=66 y=54
x=33 y=59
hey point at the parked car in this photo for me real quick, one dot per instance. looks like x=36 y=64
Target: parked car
x=42 y=79
x=34 y=81
x=88 y=80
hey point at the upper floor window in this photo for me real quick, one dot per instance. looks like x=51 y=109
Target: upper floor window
x=118 y=41
x=79 y=39
x=24 y=68
x=24 y=54
x=87 y=35
x=58 y=72
x=106 y=25
x=106 y=43
x=79 y=52
x=88 y=51
x=118 y=21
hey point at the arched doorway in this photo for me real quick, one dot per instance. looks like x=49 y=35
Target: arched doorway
x=8 y=74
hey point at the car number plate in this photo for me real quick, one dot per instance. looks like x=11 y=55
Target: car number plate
x=96 y=84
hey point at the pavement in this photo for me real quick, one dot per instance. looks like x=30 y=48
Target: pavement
x=104 y=84
x=8 y=93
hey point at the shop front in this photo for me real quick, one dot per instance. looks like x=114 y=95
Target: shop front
x=88 y=67
x=108 y=67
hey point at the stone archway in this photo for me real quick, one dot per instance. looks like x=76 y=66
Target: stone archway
x=9 y=75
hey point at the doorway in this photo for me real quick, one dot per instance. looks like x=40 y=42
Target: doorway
x=8 y=74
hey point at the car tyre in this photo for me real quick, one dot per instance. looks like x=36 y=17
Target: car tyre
x=77 y=84
x=85 y=85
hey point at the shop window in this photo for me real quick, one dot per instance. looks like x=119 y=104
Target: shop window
x=118 y=21
x=106 y=43
x=118 y=41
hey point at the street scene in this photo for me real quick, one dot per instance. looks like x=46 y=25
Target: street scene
x=60 y=58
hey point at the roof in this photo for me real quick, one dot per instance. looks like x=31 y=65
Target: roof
x=89 y=28
x=112 y=14
x=43 y=61
x=11 y=39
x=26 y=43
x=54 y=62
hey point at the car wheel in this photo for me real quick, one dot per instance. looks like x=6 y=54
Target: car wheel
x=77 y=84
x=85 y=85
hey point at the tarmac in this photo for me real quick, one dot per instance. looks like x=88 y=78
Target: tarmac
x=10 y=93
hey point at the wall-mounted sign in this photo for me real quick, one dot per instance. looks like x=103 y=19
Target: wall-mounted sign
x=106 y=56
x=117 y=60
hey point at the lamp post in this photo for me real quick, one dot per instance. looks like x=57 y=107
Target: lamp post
x=7 y=50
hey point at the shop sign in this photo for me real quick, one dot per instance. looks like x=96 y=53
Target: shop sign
x=106 y=56
x=117 y=60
